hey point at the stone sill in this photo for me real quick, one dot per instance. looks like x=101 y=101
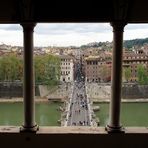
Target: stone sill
x=73 y=130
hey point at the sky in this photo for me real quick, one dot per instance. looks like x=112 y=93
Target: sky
x=69 y=34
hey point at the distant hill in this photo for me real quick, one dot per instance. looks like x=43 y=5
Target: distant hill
x=127 y=43
x=96 y=44
x=136 y=42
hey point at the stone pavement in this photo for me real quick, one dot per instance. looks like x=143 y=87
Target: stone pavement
x=79 y=110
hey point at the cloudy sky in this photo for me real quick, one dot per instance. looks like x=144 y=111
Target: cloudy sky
x=66 y=34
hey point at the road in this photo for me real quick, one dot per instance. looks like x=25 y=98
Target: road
x=78 y=113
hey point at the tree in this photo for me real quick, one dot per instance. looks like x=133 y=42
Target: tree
x=47 y=69
x=10 y=68
x=39 y=64
x=127 y=74
x=105 y=73
x=142 y=74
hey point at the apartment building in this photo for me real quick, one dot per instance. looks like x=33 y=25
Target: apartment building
x=67 y=68
x=97 y=69
x=131 y=59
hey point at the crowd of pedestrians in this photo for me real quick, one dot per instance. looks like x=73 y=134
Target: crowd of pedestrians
x=78 y=115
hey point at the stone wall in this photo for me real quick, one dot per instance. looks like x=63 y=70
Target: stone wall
x=135 y=91
x=94 y=90
x=100 y=91
x=13 y=89
x=61 y=92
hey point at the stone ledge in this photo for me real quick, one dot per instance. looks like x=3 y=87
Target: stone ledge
x=73 y=130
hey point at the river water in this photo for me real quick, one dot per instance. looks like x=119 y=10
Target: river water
x=47 y=114
x=132 y=114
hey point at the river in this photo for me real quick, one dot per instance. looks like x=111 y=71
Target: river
x=47 y=114
x=132 y=114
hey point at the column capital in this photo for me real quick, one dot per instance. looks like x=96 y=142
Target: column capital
x=28 y=25
x=118 y=26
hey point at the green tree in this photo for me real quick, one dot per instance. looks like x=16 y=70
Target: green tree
x=52 y=70
x=127 y=73
x=39 y=63
x=47 y=69
x=142 y=74
x=10 y=68
x=2 y=73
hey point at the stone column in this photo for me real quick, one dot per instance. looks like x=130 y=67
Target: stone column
x=28 y=86
x=114 y=114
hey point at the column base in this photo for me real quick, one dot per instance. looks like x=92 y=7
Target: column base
x=33 y=129
x=112 y=129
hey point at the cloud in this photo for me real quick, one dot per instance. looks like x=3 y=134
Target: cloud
x=74 y=39
x=68 y=28
x=11 y=37
x=10 y=27
x=136 y=26
x=65 y=34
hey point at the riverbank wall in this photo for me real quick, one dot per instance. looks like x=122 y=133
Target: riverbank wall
x=134 y=91
x=60 y=92
x=102 y=92
x=13 y=90
x=95 y=91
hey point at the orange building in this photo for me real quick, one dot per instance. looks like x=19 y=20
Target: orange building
x=132 y=59
x=97 y=69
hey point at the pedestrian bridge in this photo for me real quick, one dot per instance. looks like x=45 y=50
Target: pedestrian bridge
x=79 y=110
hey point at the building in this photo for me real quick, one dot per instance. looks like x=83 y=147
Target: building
x=97 y=69
x=67 y=68
x=132 y=59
